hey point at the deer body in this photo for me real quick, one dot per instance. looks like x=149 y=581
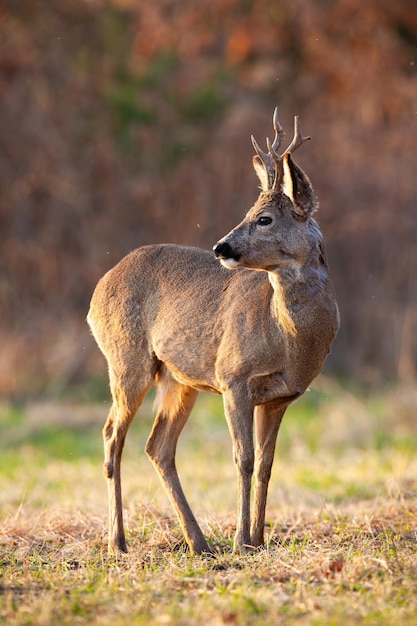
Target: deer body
x=177 y=317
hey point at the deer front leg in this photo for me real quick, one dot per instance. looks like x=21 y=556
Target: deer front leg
x=239 y=416
x=267 y=422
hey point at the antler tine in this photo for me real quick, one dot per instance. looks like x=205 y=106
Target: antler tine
x=279 y=134
x=278 y=166
x=298 y=138
x=272 y=151
x=261 y=154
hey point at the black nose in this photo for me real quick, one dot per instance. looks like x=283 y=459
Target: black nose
x=223 y=251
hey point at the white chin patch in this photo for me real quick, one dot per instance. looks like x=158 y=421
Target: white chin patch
x=229 y=264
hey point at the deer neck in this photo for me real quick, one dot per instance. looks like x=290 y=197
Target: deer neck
x=282 y=301
x=294 y=288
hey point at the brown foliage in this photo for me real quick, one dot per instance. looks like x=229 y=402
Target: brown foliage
x=123 y=123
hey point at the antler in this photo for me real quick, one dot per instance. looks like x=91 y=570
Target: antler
x=298 y=138
x=268 y=159
x=279 y=136
x=279 y=132
x=273 y=160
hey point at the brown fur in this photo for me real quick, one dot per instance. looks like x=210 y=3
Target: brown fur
x=257 y=335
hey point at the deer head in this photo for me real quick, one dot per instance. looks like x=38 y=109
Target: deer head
x=277 y=230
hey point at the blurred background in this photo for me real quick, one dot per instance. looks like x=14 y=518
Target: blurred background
x=125 y=123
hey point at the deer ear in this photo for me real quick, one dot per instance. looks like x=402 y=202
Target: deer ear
x=262 y=173
x=296 y=185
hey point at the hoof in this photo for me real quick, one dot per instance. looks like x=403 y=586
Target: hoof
x=202 y=549
x=118 y=547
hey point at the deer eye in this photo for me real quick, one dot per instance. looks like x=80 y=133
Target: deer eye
x=264 y=220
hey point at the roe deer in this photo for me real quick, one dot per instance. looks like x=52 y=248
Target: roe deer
x=177 y=317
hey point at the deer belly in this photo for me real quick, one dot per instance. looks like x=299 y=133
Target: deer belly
x=195 y=380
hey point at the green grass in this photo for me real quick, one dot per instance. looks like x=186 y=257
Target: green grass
x=341 y=541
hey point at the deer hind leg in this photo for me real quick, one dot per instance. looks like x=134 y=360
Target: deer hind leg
x=267 y=422
x=175 y=402
x=128 y=392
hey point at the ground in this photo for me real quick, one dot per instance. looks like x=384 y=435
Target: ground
x=341 y=535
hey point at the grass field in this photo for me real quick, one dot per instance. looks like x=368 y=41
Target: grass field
x=342 y=519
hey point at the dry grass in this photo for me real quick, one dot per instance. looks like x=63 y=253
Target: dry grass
x=341 y=541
